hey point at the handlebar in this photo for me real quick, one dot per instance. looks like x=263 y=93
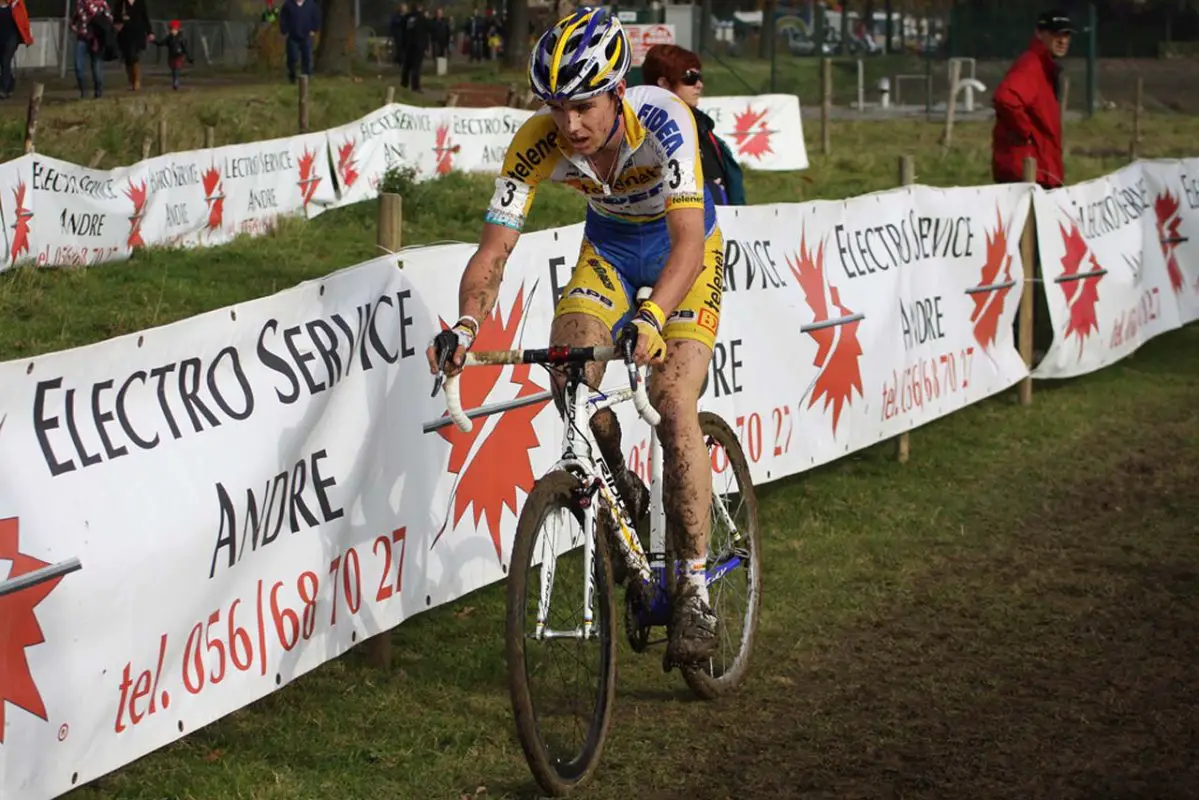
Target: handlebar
x=548 y=356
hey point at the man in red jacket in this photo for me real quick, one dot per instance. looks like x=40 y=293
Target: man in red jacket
x=1028 y=118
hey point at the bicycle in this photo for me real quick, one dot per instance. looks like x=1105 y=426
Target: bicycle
x=568 y=491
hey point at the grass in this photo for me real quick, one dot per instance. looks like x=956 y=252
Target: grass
x=927 y=629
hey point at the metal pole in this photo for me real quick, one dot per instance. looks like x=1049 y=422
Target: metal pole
x=1092 y=58
x=773 y=50
x=357 y=14
x=66 y=31
x=39 y=576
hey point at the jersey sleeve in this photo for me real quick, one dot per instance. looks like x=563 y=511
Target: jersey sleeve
x=682 y=170
x=532 y=156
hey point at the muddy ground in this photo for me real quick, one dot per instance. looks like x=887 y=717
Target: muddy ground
x=1063 y=663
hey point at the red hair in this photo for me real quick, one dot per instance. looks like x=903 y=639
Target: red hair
x=668 y=61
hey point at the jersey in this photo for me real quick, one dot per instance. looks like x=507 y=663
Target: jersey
x=657 y=170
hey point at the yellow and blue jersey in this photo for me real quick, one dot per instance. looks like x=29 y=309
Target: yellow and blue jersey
x=658 y=170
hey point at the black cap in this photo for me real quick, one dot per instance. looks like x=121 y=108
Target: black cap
x=1055 y=21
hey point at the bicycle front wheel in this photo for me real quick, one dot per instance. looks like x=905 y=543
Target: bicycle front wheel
x=561 y=661
x=734 y=548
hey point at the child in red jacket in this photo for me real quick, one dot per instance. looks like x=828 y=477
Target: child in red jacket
x=176 y=51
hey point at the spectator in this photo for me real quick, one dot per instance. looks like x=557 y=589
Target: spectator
x=176 y=47
x=95 y=38
x=476 y=35
x=299 y=20
x=396 y=29
x=416 y=41
x=14 y=31
x=1028 y=117
x=132 y=21
x=679 y=70
x=439 y=35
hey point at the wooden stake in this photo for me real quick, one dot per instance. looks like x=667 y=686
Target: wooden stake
x=1065 y=97
x=390 y=97
x=1134 y=148
x=391 y=219
x=388 y=239
x=303 y=104
x=147 y=146
x=907 y=176
x=1028 y=252
x=162 y=135
x=209 y=137
x=955 y=78
x=35 y=107
x=97 y=157
x=826 y=103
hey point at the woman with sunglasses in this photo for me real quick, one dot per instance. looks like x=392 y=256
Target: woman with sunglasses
x=678 y=70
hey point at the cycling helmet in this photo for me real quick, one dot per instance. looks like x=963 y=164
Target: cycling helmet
x=583 y=55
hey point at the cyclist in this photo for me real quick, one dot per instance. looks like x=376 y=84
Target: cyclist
x=634 y=153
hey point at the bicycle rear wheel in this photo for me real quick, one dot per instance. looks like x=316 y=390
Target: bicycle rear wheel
x=737 y=594
x=561 y=730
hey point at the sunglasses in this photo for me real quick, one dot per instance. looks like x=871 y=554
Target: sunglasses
x=692 y=77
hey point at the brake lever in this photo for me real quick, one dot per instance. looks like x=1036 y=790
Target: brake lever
x=442 y=360
x=628 y=343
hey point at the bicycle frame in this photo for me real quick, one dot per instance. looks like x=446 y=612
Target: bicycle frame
x=582 y=457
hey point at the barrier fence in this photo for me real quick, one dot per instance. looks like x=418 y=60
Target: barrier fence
x=254 y=490
x=57 y=213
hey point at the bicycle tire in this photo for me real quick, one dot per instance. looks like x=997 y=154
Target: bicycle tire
x=702 y=682
x=555 y=490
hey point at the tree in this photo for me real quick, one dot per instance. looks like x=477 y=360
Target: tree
x=516 y=49
x=334 y=54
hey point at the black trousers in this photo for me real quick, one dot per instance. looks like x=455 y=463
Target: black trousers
x=8 y=55
x=411 y=69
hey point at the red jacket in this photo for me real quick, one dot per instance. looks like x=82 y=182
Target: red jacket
x=20 y=16
x=1028 y=120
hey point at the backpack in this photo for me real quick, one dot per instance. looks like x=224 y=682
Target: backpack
x=105 y=35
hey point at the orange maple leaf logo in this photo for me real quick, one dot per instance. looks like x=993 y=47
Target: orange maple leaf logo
x=1081 y=293
x=214 y=195
x=1168 y=222
x=992 y=290
x=837 y=346
x=501 y=464
x=136 y=195
x=20 y=227
x=308 y=180
x=750 y=142
x=445 y=150
x=19 y=627
x=346 y=165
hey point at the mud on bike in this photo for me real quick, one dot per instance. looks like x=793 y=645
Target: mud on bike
x=562 y=730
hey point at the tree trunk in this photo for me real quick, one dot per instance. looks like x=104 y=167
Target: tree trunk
x=335 y=52
x=516 y=49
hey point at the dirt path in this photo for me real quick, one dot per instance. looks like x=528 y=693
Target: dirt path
x=1062 y=663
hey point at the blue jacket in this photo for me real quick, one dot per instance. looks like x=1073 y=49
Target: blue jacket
x=297 y=22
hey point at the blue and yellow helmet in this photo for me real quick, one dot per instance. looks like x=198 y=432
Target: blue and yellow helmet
x=583 y=55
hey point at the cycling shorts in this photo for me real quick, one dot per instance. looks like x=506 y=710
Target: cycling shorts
x=598 y=289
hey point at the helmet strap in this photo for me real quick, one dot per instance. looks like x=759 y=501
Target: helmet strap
x=615 y=122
